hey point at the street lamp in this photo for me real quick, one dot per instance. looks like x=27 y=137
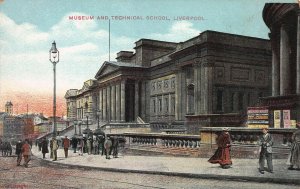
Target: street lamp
x=87 y=131
x=75 y=124
x=79 y=125
x=54 y=59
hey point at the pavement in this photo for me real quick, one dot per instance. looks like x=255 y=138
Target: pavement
x=241 y=170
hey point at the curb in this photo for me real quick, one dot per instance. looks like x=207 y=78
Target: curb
x=186 y=175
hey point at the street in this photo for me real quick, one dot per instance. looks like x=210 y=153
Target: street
x=42 y=176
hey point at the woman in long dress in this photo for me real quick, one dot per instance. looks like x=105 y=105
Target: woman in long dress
x=222 y=154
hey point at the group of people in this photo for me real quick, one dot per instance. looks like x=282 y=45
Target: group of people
x=222 y=154
x=54 y=145
x=104 y=144
x=23 y=149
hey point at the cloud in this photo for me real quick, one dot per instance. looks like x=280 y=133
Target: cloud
x=83 y=47
x=18 y=37
x=179 y=31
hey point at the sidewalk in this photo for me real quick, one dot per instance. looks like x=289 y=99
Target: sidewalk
x=242 y=169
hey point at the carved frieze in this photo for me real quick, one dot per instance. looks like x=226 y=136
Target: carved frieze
x=240 y=74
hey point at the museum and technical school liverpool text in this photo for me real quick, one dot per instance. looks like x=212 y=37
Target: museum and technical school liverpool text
x=159 y=18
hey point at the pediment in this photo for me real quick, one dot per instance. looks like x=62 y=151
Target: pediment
x=71 y=93
x=105 y=69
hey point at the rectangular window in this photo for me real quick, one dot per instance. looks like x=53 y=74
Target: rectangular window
x=154 y=105
x=232 y=102
x=219 y=100
x=173 y=104
x=241 y=95
x=159 y=105
x=167 y=104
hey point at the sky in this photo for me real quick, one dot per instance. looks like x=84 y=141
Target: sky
x=28 y=28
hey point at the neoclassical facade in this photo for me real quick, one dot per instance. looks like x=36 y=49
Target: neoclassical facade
x=205 y=81
x=283 y=19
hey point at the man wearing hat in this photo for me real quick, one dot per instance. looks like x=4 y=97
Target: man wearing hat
x=294 y=157
x=266 y=143
x=222 y=154
x=54 y=146
x=66 y=145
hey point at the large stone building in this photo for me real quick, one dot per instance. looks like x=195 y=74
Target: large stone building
x=208 y=80
x=283 y=19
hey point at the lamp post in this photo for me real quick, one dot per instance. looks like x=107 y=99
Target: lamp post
x=75 y=124
x=87 y=131
x=79 y=125
x=54 y=59
x=99 y=131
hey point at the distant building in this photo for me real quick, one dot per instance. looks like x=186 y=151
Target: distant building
x=9 y=108
x=208 y=80
x=11 y=127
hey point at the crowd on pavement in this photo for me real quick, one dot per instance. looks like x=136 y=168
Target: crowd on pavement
x=90 y=145
x=109 y=145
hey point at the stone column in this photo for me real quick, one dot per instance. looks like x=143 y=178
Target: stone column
x=143 y=99
x=123 y=101
x=108 y=92
x=136 y=99
x=298 y=55
x=285 y=69
x=197 y=88
x=113 y=102
x=178 y=95
x=275 y=62
x=170 y=106
x=104 y=101
x=118 y=104
x=156 y=107
x=100 y=104
x=183 y=95
x=208 y=87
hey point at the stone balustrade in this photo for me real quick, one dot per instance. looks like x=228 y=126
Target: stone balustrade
x=203 y=145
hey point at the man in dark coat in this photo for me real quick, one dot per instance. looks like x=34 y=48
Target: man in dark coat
x=44 y=147
x=74 y=142
x=222 y=154
x=115 y=145
x=19 y=152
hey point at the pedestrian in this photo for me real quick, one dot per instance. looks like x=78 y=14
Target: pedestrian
x=115 y=146
x=26 y=151
x=107 y=146
x=266 y=143
x=294 y=156
x=51 y=149
x=81 y=146
x=44 y=147
x=95 y=146
x=40 y=145
x=222 y=154
x=89 y=145
x=66 y=144
x=19 y=152
x=55 y=146
x=74 y=142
